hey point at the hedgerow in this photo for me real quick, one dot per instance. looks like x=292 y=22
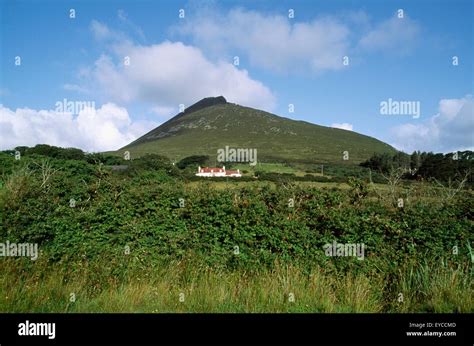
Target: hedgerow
x=151 y=209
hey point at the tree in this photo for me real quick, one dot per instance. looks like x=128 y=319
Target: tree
x=153 y=162
x=193 y=161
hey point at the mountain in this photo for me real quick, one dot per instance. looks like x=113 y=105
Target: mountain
x=213 y=124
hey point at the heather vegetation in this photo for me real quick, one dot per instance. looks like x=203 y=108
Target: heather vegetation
x=211 y=124
x=146 y=238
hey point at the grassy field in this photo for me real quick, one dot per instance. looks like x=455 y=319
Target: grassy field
x=149 y=240
x=234 y=184
x=187 y=286
x=265 y=167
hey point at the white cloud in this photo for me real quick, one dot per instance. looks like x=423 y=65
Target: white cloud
x=164 y=111
x=450 y=130
x=281 y=44
x=101 y=31
x=122 y=15
x=343 y=126
x=76 y=88
x=271 y=41
x=106 y=128
x=393 y=35
x=171 y=73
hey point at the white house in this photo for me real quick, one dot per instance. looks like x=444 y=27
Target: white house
x=217 y=172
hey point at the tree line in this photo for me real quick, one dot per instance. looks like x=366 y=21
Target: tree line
x=424 y=165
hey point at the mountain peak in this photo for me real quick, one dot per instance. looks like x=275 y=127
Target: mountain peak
x=213 y=123
x=206 y=102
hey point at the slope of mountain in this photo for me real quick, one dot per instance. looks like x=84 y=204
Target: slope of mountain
x=213 y=124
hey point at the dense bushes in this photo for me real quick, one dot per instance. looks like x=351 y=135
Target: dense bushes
x=286 y=177
x=147 y=208
x=50 y=151
x=102 y=232
x=193 y=161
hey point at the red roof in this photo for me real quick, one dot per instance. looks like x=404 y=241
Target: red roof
x=218 y=170
x=231 y=172
x=213 y=169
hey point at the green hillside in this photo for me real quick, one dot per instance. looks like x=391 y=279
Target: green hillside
x=212 y=123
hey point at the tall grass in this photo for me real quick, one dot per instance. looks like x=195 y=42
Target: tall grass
x=187 y=286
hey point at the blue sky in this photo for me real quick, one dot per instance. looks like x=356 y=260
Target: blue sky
x=282 y=61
